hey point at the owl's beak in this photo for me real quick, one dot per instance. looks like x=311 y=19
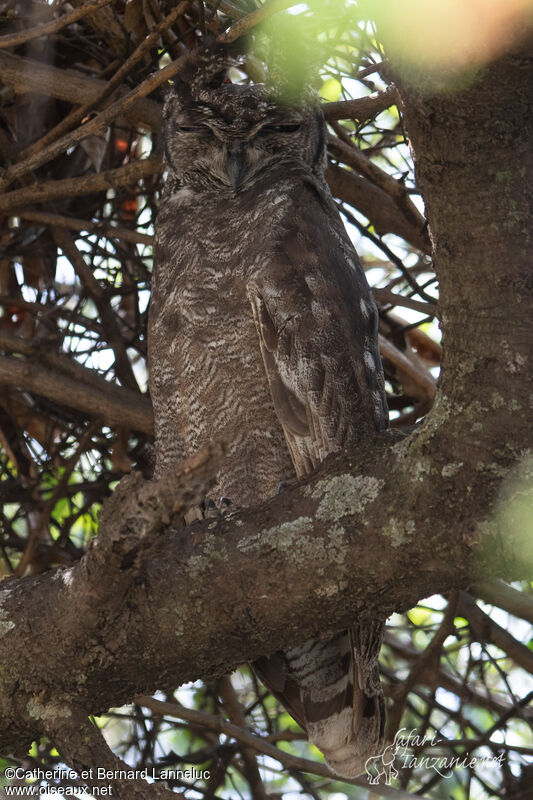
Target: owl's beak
x=236 y=164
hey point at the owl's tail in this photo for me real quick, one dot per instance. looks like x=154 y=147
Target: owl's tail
x=331 y=687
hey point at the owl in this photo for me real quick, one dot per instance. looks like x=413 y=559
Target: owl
x=263 y=334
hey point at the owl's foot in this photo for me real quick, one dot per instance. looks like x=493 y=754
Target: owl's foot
x=212 y=511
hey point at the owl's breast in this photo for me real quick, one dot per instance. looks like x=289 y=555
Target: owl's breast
x=207 y=376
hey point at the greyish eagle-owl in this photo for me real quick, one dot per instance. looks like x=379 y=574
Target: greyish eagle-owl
x=263 y=334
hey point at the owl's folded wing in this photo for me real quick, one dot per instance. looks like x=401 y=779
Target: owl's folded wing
x=316 y=324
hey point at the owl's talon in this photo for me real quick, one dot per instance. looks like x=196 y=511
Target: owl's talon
x=282 y=485
x=210 y=510
x=224 y=505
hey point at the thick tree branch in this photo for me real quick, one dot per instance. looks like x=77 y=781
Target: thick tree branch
x=520 y=604
x=319 y=537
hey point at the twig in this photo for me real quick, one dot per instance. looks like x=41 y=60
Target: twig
x=110 y=324
x=83 y=746
x=236 y=714
x=132 y=410
x=293 y=762
x=362 y=108
x=13 y=39
x=386 y=296
x=486 y=630
x=429 y=658
x=444 y=679
x=85 y=184
x=78 y=113
x=75 y=224
x=251 y=20
x=390 y=255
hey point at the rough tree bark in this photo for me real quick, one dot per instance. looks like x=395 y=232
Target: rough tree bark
x=150 y=606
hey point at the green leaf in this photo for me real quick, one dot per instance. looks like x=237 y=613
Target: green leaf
x=331 y=90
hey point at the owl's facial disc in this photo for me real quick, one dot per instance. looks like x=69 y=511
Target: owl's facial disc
x=228 y=137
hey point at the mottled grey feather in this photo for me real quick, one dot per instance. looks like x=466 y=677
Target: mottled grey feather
x=263 y=333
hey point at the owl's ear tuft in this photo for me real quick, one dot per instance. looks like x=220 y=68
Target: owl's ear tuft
x=204 y=68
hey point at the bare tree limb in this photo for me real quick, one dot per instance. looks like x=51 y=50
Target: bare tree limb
x=386 y=296
x=75 y=224
x=246 y=24
x=109 y=321
x=520 y=604
x=27 y=75
x=131 y=410
x=14 y=39
x=486 y=630
x=82 y=745
x=362 y=108
x=377 y=205
x=259 y=744
x=395 y=189
x=70 y=187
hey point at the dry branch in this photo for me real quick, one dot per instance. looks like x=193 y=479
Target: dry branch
x=26 y=75
x=14 y=39
x=218 y=724
x=80 y=112
x=112 y=331
x=130 y=410
x=395 y=189
x=75 y=224
x=86 y=184
x=386 y=296
x=486 y=630
x=377 y=206
x=362 y=108
x=246 y=24
x=498 y=593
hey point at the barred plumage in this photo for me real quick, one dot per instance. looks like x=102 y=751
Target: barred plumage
x=263 y=333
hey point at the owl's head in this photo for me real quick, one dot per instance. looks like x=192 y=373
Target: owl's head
x=219 y=134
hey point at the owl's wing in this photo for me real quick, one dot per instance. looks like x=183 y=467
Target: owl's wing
x=317 y=326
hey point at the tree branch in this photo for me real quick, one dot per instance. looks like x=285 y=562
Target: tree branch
x=261 y=745
x=319 y=537
x=54 y=25
x=362 y=108
x=26 y=75
x=377 y=205
x=101 y=228
x=116 y=406
x=86 y=184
